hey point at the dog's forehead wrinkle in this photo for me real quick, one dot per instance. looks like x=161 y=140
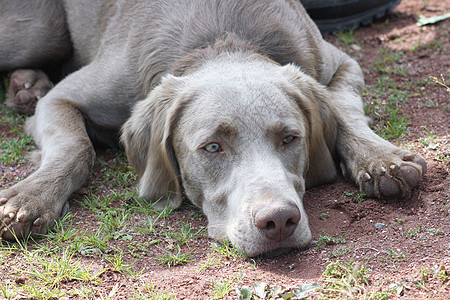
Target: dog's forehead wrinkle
x=225 y=120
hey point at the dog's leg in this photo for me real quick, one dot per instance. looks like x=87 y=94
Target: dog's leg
x=378 y=167
x=67 y=154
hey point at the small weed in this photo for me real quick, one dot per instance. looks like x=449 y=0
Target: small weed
x=7 y=290
x=430 y=141
x=113 y=219
x=154 y=292
x=149 y=225
x=117 y=172
x=269 y=291
x=223 y=287
x=438 y=145
x=226 y=249
x=174 y=258
x=62 y=230
x=118 y=265
x=96 y=203
x=385 y=106
x=359 y=198
x=184 y=233
x=324 y=215
x=346 y=36
x=327 y=240
x=435 y=231
x=12 y=150
x=392 y=254
x=340 y=251
x=36 y=290
x=347 y=39
x=211 y=261
x=59 y=269
x=399 y=220
x=430 y=103
x=382 y=296
x=444 y=207
x=388 y=60
x=92 y=243
x=395 y=124
x=14 y=120
x=436 y=45
x=344 y=280
x=435 y=280
x=409 y=232
x=198 y=214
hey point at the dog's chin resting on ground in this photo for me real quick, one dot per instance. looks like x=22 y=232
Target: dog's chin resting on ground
x=237 y=105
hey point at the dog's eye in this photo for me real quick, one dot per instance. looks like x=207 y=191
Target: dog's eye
x=288 y=139
x=212 y=148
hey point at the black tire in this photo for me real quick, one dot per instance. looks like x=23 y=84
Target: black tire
x=336 y=15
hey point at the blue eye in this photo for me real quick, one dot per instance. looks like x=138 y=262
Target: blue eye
x=212 y=148
x=288 y=139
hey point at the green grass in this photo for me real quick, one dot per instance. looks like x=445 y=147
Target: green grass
x=183 y=234
x=228 y=250
x=270 y=291
x=357 y=197
x=436 y=45
x=153 y=291
x=212 y=261
x=385 y=102
x=328 y=240
x=339 y=252
x=222 y=287
x=347 y=39
x=12 y=150
x=344 y=280
x=176 y=257
x=388 y=64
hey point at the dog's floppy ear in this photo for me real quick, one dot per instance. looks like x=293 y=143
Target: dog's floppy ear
x=312 y=98
x=147 y=137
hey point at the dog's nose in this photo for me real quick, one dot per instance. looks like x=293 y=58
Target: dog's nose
x=277 y=222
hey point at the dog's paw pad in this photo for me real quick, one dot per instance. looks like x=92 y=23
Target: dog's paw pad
x=410 y=174
x=26 y=87
x=388 y=187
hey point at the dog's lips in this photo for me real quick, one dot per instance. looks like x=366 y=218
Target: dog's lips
x=272 y=248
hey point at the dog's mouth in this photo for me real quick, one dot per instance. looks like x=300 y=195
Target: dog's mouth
x=270 y=248
x=276 y=252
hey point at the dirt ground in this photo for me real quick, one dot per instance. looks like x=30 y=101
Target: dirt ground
x=398 y=241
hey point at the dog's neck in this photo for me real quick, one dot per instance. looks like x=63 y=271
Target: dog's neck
x=229 y=43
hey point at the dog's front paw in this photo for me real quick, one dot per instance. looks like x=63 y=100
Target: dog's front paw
x=393 y=174
x=22 y=213
x=26 y=87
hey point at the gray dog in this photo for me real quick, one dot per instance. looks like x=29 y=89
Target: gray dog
x=239 y=105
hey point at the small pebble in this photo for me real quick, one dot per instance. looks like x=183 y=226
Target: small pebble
x=355 y=47
x=379 y=225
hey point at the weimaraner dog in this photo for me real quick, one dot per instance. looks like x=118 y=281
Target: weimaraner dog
x=236 y=105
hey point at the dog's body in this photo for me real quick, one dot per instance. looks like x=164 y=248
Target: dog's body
x=238 y=104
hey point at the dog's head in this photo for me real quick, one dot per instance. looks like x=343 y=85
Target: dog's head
x=235 y=136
